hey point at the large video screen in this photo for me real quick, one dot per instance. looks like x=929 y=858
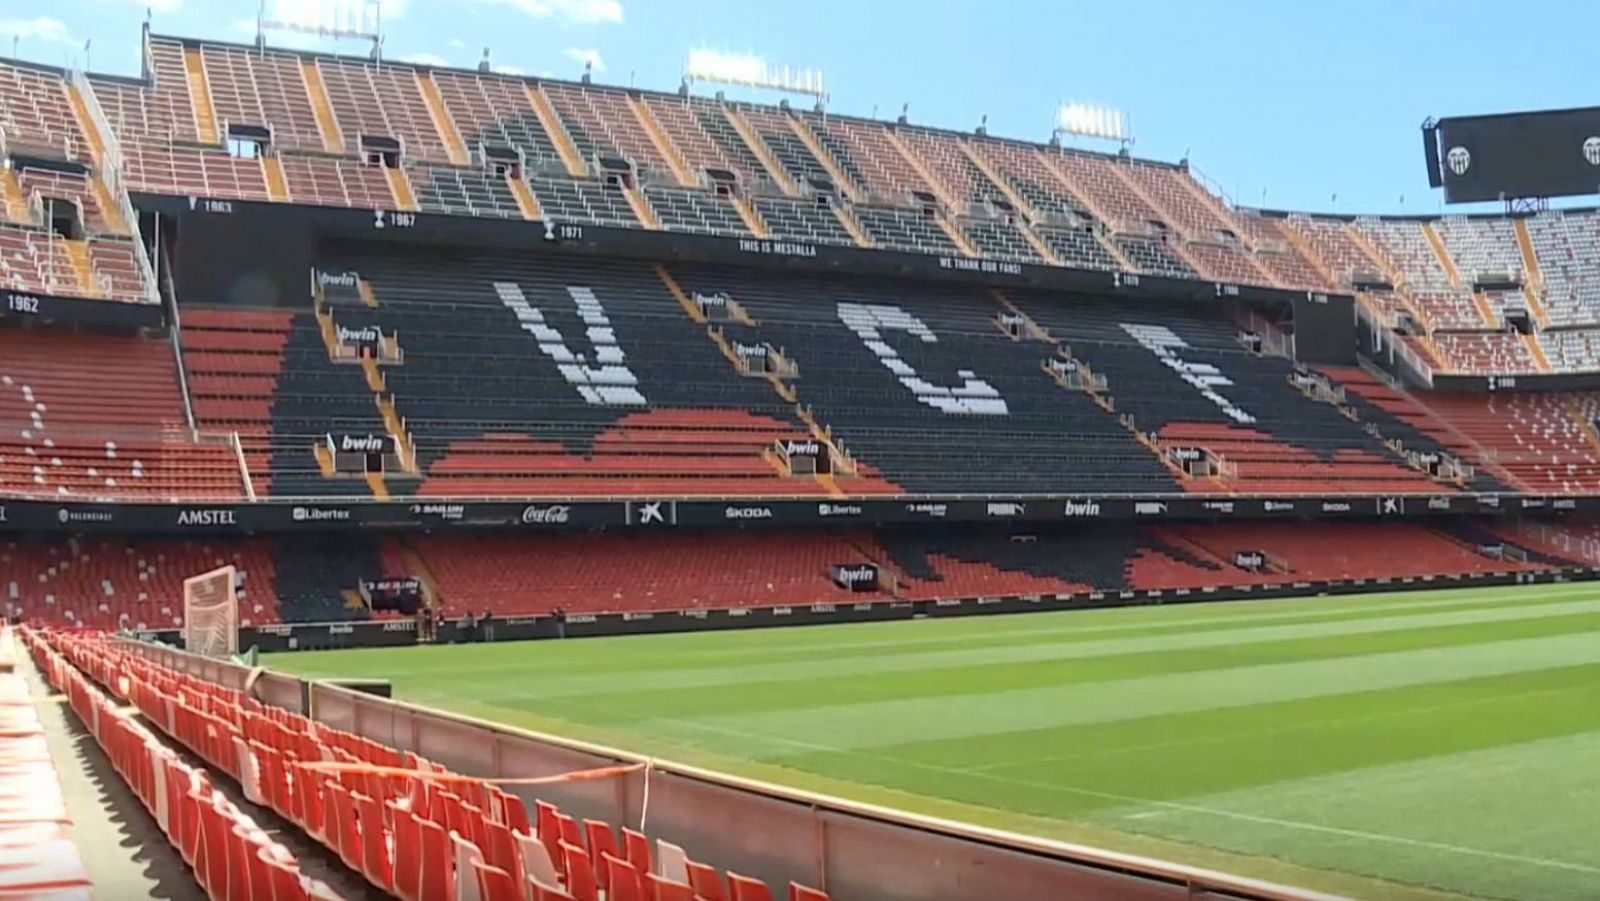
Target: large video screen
x=1547 y=154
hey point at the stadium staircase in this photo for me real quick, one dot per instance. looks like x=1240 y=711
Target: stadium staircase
x=317 y=90
x=455 y=148
x=557 y=132
x=759 y=148
x=205 y=119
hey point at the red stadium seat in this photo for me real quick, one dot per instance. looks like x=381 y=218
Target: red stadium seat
x=746 y=889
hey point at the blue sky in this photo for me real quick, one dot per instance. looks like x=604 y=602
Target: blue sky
x=1302 y=100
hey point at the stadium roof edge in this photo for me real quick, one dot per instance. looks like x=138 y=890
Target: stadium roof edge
x=532 y=79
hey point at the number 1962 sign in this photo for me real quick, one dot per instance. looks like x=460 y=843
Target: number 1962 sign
x=26 y=304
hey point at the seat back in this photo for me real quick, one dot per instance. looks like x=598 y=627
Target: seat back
x=707 y=882
x=623 y=882
x=495 y=884
x=798 y=892
x=466 y=856
x=746 y=889
x=671 y=862
x=536 y=863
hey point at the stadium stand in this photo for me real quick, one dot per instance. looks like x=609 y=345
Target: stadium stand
x=909 y=386
x=522 y=575
x=408 y=836
x=114 y=431
x=121 y=584
x=1345 y=551
x=1186 y=382
x=228 y=852
x=1546 y=442
x=506 y=399
x=1562 y=245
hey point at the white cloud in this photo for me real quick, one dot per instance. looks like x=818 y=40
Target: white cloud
x=511 y=70
x=586 y=56
x=426 y=59
x=457 y=44
x=38 y=28
x=576 y=12
x=159 y=6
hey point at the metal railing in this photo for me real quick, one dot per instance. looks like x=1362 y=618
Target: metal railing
x=109 y=171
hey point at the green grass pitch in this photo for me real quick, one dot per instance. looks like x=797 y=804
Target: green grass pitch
x=1407 y=745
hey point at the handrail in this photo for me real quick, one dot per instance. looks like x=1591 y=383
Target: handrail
x=109 y=170
x=244 y=466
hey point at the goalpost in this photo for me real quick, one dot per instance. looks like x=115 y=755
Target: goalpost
x=211 y=613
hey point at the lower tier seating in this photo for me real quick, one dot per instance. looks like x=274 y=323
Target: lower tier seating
x=409 y=837
x=1344 y=551
x=119 y=584
x=105 y=583
x=588 y=574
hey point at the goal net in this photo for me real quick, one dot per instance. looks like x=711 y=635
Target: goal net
x=211 y=613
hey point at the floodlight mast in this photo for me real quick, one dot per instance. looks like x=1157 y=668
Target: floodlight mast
x=750 y=71
x=1087 y=120
x=337 y=19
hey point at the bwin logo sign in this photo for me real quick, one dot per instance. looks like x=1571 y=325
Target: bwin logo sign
x=1591 y=150
x=1459 y=159
x=1080 y=508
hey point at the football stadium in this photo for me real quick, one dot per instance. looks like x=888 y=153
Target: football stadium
x=452 y=484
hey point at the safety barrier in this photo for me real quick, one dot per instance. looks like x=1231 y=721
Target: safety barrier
x=774 y=833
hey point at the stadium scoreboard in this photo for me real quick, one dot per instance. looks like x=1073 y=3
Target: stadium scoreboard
x=1555 y=153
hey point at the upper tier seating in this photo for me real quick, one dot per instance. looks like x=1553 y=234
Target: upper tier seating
x=464 y=192
x=118 y=584
x=86 y=417
x=1486 y=352
x=804 y=220
x=494 y=111
x=1277 y=253
x=200 y=172
x=1571 y=350
x=1100 y=183
x=527 y=574
x=1480 y=246
x=550 y=376
x=601 y=124
x=36 y=113
x=1564 y=244
x=1546 y=442
x=383 y=101
x=866 y=154
x=161 y=112
x=260 y=88
x=926 y=388
x=1181 y=376
x=1448 y=305
x=912 y=231
x=1046 y=195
